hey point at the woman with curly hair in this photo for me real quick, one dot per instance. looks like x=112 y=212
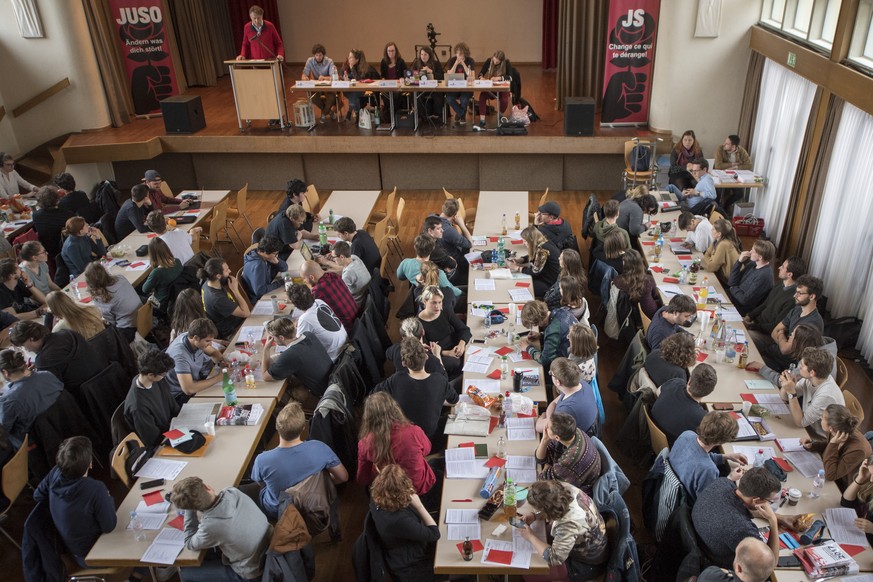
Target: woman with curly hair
x=638 y=283
x=571 y=264
x=542 y=262
x=724 y=250
x=673 y=359
x=115 y=297
x=407 y=531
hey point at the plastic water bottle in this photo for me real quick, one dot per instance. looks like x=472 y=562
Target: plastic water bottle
x=334 y=77
x=660 y=242
x=137 y=526
x=503 y=225
x=507 y=404
x=228 y=388
x=330 y=216
x=759 y=458
x=504 y=368
x=509 y=494
x=817 y=484
x=730 y=353
x=250 y=378
x=501 y=448
x=275 y=301
x=486 y=321
x=322 y=235
x=501 y=250
x=683 y=276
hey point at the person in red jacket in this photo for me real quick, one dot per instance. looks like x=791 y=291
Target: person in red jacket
x=261 y=40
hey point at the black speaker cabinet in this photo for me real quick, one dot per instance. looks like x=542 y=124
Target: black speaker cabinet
x=183 y=114
x=579 y=116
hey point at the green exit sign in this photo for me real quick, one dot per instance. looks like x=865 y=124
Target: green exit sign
x=792 y=60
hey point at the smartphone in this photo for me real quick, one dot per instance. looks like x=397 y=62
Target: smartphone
x=788 y=562
x=517 y=522
x=150 y=484
x=478 y=341
x=523 y=333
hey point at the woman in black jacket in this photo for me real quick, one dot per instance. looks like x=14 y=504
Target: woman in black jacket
x=393 y=67
x=462 y=64
x=427 y=65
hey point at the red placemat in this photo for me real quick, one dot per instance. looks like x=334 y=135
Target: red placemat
x=477 y=546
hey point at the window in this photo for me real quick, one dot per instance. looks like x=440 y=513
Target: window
x=773 y=12
x=813 y=22
x=861 y=47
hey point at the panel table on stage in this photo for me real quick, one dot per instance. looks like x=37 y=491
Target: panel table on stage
x=221 y=465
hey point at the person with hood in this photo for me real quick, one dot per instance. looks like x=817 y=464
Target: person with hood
x=81 y=507
x=228 y=520
x=548 y=220
x=260 y=267
x=609 y=224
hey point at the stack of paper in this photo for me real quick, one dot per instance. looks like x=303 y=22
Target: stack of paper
x=521 y=468
x=461 y=463
x=167 y=545
x=807 y=463
x=463 y=523
x=484 y=284
x=161 y=469
x=521 y=429
x=502 y=553
x=841 y=525
x=521 y=295
x=501 y=274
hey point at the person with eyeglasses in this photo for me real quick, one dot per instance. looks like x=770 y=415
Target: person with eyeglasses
x=11 y=183
x=697 y=199
x=805 y=312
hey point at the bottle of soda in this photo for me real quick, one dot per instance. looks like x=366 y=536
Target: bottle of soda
x=330 y=216
x=517 y=221
x=509 y=494
x=249 y=377
x=229 y=389
x=467 y=549
x=322 y=235
x=503 y=225
x=504 y=368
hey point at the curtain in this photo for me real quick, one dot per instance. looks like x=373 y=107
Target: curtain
x=780 y=123
x=746 y=125
x=843 y=238
x=581 y=50
x=550 y=33
x=204 y=38
x=112 y=71
x=239 y=16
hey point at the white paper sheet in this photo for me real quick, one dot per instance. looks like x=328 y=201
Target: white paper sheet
x=522 y=475
x=166 y=547
x=791 y=445
x=519 y=559
x=161 y=469
x=751 y=451
x=486 y=385
x=521 y=462
x=466 y=469
x=158 y=508
x=841 y=525
x=140 y=265
x=473 y=256
x=460 y=531
x=670 y=289
x=462 y=516
x=479 y=241
x=263 y=308
x=151 y=520
x=256 y=332
x=759 y=384
x=480 y=358
x=460 y=454
x=481 y=309
x=501 y=274
x=485 y=284
x=521 y=429
x=521 y=295
x=809 y=464
x=773 y=403
x=730 y=314
x=476 y=368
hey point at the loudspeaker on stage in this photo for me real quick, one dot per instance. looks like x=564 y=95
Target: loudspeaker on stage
x=579 y=116
x=183 y=114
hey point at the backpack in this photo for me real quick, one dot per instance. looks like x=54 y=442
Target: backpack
x=137 y=455
x=845 y=332
x=640 y=158
x=592 y=209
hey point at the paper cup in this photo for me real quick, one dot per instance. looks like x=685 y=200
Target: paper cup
x=747 y=407
x=703 y=317
x=719 y=356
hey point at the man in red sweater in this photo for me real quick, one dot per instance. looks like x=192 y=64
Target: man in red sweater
x=261 y=40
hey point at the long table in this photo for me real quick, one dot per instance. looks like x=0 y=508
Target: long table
x=356 y=204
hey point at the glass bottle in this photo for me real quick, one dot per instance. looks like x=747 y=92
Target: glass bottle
x=503 y=225
x=510 y=508
x=501 y=448
x=467 y=549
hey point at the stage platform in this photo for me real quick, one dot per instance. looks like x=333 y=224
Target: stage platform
x=343 y=156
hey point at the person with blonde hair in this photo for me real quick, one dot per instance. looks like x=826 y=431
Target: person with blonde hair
x=430 y=275
x=846 y=447
x=542 y=262
x=87 y=320
x=443 y=327
x=724 y=251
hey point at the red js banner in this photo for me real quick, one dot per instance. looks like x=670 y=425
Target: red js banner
x=630 y=56
x=145 y=49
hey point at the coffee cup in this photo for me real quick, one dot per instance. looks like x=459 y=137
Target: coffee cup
x=794 y=496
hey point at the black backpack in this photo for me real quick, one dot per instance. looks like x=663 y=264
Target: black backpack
x=641 y=157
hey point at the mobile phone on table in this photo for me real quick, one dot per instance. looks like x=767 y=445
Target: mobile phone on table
x=789 y=561
x=523 y=333
x=478 y=341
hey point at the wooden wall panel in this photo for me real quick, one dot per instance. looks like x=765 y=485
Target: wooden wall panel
x=601 y=172
x=261 y=171
x=176 y=169
x=426 y=171
x=520 y=172
x=343 y=172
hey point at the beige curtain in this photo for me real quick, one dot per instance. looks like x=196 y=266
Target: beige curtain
x=203 y=35
x=103 y=39
x=749 y=109
x=581 y=49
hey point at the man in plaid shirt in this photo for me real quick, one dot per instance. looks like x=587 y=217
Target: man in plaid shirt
x=330 y=288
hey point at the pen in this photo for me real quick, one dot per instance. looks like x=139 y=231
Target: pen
x=462 y=501
x=784 y=499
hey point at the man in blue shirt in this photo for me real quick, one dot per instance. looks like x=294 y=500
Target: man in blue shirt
x=697 y=199
x=576 y=397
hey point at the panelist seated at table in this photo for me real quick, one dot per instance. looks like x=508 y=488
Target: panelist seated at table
x=392 y=67
x=150 y=406
x=295 y=193
x=638 y=283
x=303 y=356
x=845 y=448
x=320 y=67
x=816 y=387
x=673 y=359
x=28 y=394
x=18 y=296
x=84 y=244
x=541 y=263
x=731 y=155
x=363 y=245
x=751 y=277
x=460 y=64
x=115 y=297
x=724 y=251
x=222 y=297
x=699 y=231
x=160 y=201
x=859 y=496
x=261 y=265
x=227 y=521
x=427 y=65
x=566 y=453
x=753 y=562
x=317 y=317
x=288 y=228
x=131 y=215
x=351 y=268
x=292 y=461
x=195 y=359
x=356 y=68
x=670 y=319
x=177 y=239
x=575 y=397
x=499 y=70
x=678 y=406
x=443 y=327
x=551 y=341
x=65 y=353
x=693 y=460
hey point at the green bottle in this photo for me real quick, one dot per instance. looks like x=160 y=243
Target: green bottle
x=229 y=389
x=322 y=235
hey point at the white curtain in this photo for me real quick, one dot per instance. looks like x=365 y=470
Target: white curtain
x=841 y=251
x=783 y=113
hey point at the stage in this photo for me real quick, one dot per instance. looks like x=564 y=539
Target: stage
x=339 y=155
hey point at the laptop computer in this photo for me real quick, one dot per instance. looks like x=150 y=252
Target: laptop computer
x=455 y=77
x=306 y=252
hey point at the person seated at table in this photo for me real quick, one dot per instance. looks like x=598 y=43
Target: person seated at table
x=572 y=298
x=731 y=155
x=461 y=63
x=409 y=269
x=670 y=319
x=579 y=547
x=356 y=68
x=549 y=222
x=571 y=266
x=293 y=460
x=427 y=65
x=18 y=296
x=86 y=320
x=303 y=358
x=803 y=336
x=678 y=406
x=83 y=244
x=702 y=196
x=754 y=562
x=131 y=215
x=229 y=521
x=261 y=265
x=631 y=212
x=392 y=67
x=583 y=350
x=724 y=251
x=405 y=528
x=459 y=239
x=150 y=406
x=295 y=193
x=81 y=507
x=805 y=312
x=65 y=353
x=575 y=397
x=319 y=67
x=412 y=327
x=751 y=277
x=115 y=297
x=541 y=263
x=161 y=202
x=550 y=341
x=735 y=504
x=195 y=359
x=72 y=200
x=686 y=150
x=177 y=239
x=609 y=224
x=187 y=308
x=692 y=459
x=566 y=453
x=845 y=448
x=288 y=228
x=34 y=264
x=700 y=235
x=28 y=394
x=49 y=219
x=331 y=289
x=363 y=245
x=612 y=251
x=222 y=298
x=388 y=437
x=317 y=317
x=497 y=69
x=443 y=254
x=443 y=327
x=764 y=318
x=673 y=359
x=351 y=268
x=859 y=496
x=166 y=269
x=638 y=283
x=11 y=182
x=430 y=276
x=816 y=387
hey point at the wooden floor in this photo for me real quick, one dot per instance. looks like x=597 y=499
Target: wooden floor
x=334 y=560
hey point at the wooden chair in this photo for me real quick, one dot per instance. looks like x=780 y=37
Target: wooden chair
x=393 y=234
x=376 y=216
x=119 y=457
x=240 y=210
x=219 y=218
x=656 y=435
x=635 y=177
x=12 y=481
x=380 y=232
x=854 y=405
x=166 y=190
x=244 y=286
x=145 y=319
x=715 y=215
x=76 y=574
x=312 y=203
x=842 y=374
x=543 y=199
x=644 y=318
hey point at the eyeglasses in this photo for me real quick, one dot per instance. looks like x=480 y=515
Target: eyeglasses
x=801 y=293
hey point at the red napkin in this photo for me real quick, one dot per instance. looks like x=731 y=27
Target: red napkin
x=677 y=240
x=783 y=464
x=469 y=445
x=500 y=557
x=519 y=241
x=492 y=239
x=151 y=235
x=684 y=257
x=495 y=375
x=495 y=462
x=749 y=398
x=657 y=269
x=85 y=300
x=522 y=284
x=526 y=356
x=174 y=434
x=533 y=414
x=503 y=351
x=196 y=211
x=81 y=284
x=492 y=423
x=671 y=280
x=282 y=306
x=477 y=546
x=153 y=498
x=701 y=356
x=850 y=549
x=648 y=243
x=177 y=522
x=137 y=264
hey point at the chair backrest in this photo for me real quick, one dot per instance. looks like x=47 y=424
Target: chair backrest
x=842 y=374
x=219 y=217
x=248 y=293
x=118 y=425
x=312 y=200
x=391 y=206
x=165 y=189
x=644 y=318
x=14 y=476
x=401 y=204
x=544 y=198
x=657 y=436
x=854 y=405
x=628 y=162
x=448 y=194
x=144 y=321
x=258 y=235
x=242 y=199
x=119 y=457
x=715 y=215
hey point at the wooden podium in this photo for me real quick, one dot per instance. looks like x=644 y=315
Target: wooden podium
x=258 y=91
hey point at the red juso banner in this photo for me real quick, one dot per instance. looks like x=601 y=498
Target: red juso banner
x=145 y=49
x=630 y=56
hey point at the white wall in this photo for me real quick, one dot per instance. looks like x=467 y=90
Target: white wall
x=29 y=66
x=698 y=82
x=514 y=26
x=86 y=175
